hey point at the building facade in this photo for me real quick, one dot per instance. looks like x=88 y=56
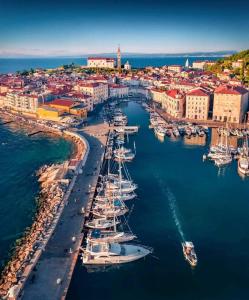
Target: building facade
x=157 y=95
x=175 y=68
x=118 y=91
x=25 y=103
x=197 y=104
x=98 y=91
x=127 y=66
x=101 y=62
x=230 y=104
x=174 y=103
x=199 y=64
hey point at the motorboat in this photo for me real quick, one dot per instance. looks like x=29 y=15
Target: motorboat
x=223 y=160
x=101 y=223
x=189 y=253
x=159 y=131
x=105 y=253
x=110 y=236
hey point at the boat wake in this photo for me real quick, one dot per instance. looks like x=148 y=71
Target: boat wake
x=173 y=208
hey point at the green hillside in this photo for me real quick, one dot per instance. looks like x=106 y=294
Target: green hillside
x=226 y=63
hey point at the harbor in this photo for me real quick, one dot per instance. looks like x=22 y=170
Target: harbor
x=211 y=213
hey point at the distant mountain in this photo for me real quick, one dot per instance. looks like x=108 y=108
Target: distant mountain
x=4 y=54
x=184 y=54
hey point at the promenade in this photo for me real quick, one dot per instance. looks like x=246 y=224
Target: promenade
x=52 y=275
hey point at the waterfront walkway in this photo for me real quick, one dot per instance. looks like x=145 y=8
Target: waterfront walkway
x=51 y=277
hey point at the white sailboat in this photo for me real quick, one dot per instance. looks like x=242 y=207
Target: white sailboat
x=243 y=161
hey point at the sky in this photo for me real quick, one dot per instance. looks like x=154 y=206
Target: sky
x=65 y=28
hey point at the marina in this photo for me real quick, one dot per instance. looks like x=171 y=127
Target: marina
x=212 y=214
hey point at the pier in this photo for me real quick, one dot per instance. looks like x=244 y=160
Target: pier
x=52 y=275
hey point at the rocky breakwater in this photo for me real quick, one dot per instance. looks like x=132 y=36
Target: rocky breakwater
x=30 y=246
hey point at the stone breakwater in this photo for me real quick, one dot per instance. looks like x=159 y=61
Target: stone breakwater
x=56 y=184
x=49 y=201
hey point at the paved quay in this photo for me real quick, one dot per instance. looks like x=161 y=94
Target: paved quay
x=51 y=277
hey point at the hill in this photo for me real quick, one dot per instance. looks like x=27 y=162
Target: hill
x=226 y=63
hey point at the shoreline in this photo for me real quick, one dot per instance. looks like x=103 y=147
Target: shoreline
x=54 y=191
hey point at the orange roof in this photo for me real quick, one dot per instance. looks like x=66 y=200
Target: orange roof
x=197 y=92
x=173 y=93
x=62 y=102
x=231 y=90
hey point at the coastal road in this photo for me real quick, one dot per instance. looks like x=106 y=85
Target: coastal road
x=60 y=255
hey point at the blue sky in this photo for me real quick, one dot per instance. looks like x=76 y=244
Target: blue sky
x=79 y=27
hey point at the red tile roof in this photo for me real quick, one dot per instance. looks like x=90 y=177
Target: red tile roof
x=197 y=92
x=231 y=90
x=174 y=93
x=62 y=102
x=117 y=86
x=101 y=58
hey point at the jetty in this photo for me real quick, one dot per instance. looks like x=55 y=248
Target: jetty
x=51 y=277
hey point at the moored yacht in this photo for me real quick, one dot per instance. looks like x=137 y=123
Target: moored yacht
x=102 y=223
x=110 y=236
x=159 y=131
x=243 y=161
x=97 y=253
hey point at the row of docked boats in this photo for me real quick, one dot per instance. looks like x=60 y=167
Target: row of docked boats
x=223 y=153
x=163 y=128
x=233 y=132
x=109 y=238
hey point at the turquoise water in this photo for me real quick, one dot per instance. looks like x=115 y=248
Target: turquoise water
x=20 y=157
x=20 y=64
x=178 y=194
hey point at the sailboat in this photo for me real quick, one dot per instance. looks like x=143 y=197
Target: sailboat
x=123 y=154
x=225 y=156
x=243 y=161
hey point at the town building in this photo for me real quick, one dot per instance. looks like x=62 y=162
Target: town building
x=98 y=91
x=197 y=104
x=127 y=66
x=82 y=98
x=101 y=62
x=230 y=103
x=118 y=91
x=69 y=106
x=119 y=59
x=20 y=102
x=199 y=64
x=175 y=68
x=157 y=95
x=237 y=64
x=48 y=113
x=174 y=103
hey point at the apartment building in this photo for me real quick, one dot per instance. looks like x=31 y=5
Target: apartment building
x=197 y=104
x=230 y=103
x=101 y=62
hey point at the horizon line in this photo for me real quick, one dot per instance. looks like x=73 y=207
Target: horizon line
x=85 y=55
